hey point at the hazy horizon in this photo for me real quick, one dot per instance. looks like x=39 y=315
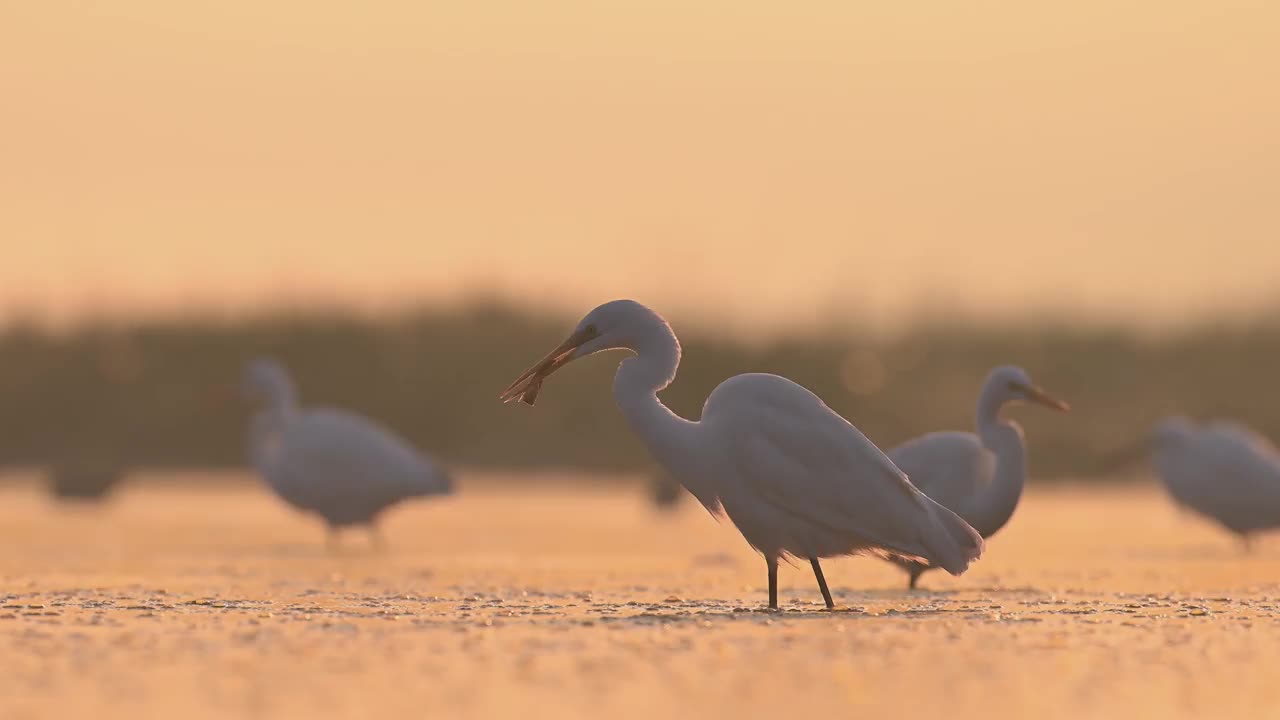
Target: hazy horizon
x=759 y=163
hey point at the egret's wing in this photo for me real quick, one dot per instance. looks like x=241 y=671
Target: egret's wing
x=330 y=456
x=951 y=467
x=794 y=452
x=1243 y=488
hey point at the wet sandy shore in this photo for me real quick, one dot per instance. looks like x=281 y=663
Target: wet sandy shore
x=580 y=600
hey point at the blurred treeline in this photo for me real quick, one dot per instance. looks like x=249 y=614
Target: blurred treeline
x=163 y=393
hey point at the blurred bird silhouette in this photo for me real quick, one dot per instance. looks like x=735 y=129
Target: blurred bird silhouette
x=977 y=476
x=343 y=467
x=665 y=492
x=84 y=480
x=1221 y=470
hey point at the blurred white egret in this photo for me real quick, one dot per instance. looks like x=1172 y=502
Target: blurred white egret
x=979 y=477
x=1221 y=470
x=343 y=467
x=664 y=491
x=84 y=478
x=794 y=477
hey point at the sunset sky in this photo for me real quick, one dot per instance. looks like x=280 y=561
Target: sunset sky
x=747 y=160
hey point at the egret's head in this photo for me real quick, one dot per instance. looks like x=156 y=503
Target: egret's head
x=616 y=325
x=1010 y=383
x=267 y=383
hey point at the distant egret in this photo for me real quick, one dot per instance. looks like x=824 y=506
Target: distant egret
x=794 y=477
x=980 y=476
x=664 y=491
x=343 y=467
x=1223 y=471
x=84 y=479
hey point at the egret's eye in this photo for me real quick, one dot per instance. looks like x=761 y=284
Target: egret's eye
x=591 y=330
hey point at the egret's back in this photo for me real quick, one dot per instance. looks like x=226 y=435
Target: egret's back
x=1246 y=443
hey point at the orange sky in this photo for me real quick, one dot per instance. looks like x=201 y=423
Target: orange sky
x=745 y=159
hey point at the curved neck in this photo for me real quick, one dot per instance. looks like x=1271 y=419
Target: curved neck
x=264 y=434
x=282 y=397
x=668 y=437
x=995 y=505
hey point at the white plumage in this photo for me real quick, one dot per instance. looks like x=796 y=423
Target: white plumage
x=795 y=478
x=978 y=476
x=1221 y=470
x=343 y=467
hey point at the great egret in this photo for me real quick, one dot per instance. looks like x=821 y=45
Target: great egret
x=794 y=477
x=980 y=476
x=343 y=467
x=1222 y=470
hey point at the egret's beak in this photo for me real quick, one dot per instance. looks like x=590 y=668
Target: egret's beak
x=526 y=387
x=1035 y=394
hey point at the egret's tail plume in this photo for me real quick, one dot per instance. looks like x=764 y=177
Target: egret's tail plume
x=436 y=482
x=951 y=541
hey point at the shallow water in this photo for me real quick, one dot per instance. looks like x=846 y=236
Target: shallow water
x=579 y=600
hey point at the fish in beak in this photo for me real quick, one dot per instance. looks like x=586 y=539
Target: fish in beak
x=1038 y=395
x=526 y=387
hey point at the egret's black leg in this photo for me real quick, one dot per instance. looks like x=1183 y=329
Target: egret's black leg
x=331 y=542
x=822 y=583
x=916 y=571
x=773 y=582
